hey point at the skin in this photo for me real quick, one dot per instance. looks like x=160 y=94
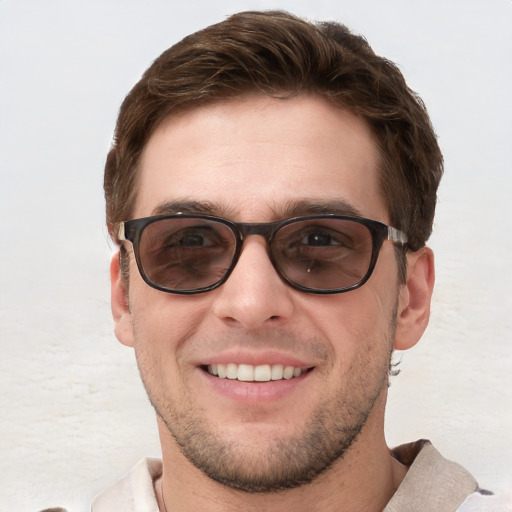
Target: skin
x=257 y=159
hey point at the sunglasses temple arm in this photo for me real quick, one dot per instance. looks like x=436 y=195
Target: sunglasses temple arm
x=396 y=236
x=120 y=233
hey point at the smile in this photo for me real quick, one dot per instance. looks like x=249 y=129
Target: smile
x=250 y=373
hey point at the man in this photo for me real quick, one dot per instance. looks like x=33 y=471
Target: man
x=271 y=187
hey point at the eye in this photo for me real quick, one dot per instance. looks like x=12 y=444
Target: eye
x=315 y=241
x=191 y=239
x=319 y=239
x=170 y=245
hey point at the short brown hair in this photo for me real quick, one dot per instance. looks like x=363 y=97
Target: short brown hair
x=280 y=55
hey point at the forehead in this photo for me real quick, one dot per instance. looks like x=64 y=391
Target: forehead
x=255 y=158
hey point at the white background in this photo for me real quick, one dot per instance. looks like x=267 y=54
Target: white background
x=74 y=416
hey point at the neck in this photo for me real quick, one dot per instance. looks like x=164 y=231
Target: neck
x=364 y=479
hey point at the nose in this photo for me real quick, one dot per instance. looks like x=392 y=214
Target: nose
x=254 y=295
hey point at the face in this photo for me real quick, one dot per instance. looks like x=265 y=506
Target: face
x=258 y=159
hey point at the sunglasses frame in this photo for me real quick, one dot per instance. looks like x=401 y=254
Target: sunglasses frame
x=132 y=230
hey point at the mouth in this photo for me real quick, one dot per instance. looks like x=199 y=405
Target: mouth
x=259 y=373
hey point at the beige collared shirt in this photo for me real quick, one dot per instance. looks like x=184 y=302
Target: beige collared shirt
x=432 y=484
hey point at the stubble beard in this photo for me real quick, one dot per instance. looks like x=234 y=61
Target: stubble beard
x=281 y=463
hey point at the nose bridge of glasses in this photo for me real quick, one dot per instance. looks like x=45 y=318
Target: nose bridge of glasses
x=264 y=229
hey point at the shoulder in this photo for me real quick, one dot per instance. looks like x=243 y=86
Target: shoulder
x=133 y=492
x=435 y=483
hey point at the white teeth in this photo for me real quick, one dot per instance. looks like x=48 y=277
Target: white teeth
x=262 y=373
x=231 y=371
x=250 y=373
x=221 y=369
x=245 y=372
x=288 y=372
x=277 y=372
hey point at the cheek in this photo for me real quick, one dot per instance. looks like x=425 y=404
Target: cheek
x=357 y=324
x=163 y=322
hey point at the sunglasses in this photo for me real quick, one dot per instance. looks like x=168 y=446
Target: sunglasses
x=188 y=253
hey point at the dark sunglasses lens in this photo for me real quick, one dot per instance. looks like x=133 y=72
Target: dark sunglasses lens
x=184 y=254
x=323 y=254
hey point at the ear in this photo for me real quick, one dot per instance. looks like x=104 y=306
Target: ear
x=414 y=299
x=120 y=308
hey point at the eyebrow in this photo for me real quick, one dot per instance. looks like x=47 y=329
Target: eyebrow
x=295 y=208
x=190 y=206
x=314 y=206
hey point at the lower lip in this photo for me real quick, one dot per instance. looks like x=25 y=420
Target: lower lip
x=254 y=392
